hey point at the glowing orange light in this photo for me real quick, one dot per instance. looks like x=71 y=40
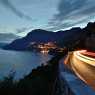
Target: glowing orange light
x=86 y=59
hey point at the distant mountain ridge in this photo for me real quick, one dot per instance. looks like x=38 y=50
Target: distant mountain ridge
x=43 y=36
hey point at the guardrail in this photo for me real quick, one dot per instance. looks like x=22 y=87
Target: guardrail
x=71 y=84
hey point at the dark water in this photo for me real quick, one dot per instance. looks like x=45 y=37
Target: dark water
x=20 y=62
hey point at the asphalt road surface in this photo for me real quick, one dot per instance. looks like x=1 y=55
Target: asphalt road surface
x=83 y=64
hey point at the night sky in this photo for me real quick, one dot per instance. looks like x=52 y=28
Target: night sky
x=21 y=16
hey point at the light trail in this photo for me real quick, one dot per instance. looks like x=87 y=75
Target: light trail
x=82 y=63
x=79 y=55
x=91 y=54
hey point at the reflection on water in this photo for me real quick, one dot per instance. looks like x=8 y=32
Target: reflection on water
x=20 y=62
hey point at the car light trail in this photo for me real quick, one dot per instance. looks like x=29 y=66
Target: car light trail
x=82 y=63
x=79 y=55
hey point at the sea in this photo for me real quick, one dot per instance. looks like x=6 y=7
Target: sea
x=20 y=63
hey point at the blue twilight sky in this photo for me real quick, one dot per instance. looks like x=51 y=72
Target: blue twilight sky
x=21 y=16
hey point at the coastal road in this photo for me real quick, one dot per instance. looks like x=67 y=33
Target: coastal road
x=83 y=64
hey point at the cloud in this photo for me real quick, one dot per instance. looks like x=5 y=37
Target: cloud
x=72 y=12
x=66 y=7
x=24 y=29
x=10 y=6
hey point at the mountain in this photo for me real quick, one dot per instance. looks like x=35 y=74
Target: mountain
x=90 y=37
x=43 y=36
x=90 y=27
